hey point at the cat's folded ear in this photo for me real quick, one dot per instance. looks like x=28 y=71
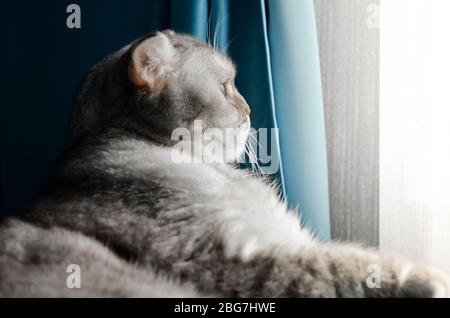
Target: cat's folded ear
x=152 y=59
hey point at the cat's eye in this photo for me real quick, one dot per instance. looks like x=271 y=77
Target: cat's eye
x=223 y=87
x=227 y=88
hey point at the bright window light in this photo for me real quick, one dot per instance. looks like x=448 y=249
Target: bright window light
x=415 y=129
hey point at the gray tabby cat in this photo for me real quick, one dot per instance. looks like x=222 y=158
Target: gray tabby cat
x=140 y=224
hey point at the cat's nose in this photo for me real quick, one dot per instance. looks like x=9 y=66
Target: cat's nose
x=243 y=106
x=246 y=108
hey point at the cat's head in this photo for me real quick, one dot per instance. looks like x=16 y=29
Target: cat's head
x=163 y=84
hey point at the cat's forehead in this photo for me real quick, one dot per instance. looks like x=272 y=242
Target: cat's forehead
x=224 y=63
x=199 y=52
x=209 y=59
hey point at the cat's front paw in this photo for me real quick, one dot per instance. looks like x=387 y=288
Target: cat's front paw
x=424 y=281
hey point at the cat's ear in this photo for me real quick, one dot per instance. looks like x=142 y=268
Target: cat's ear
x=152 y=59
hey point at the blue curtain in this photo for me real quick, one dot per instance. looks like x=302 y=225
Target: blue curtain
x=273 y=43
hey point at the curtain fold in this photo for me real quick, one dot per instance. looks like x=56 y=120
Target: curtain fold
x=273 y=44
x=299 y=109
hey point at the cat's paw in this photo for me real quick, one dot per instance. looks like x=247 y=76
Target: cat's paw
x=424 y=281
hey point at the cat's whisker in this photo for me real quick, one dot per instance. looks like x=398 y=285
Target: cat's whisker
x=250 y=158
x=227 y=45
x=247 y=152
x=255 y=140
x=209 y=27
x=253 y=158
x=219 y=24
x=217 y=35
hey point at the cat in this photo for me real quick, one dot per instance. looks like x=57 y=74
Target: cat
x=138 y=223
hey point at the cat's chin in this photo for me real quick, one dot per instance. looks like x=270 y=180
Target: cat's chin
x=234 y=145
x=233 y=151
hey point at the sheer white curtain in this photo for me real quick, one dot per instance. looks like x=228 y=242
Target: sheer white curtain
x=415 y=129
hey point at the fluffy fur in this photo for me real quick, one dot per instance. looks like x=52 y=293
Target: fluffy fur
x=122 y=209
x=34 y=262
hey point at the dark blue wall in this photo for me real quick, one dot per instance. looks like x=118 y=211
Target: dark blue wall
x=42 y=63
